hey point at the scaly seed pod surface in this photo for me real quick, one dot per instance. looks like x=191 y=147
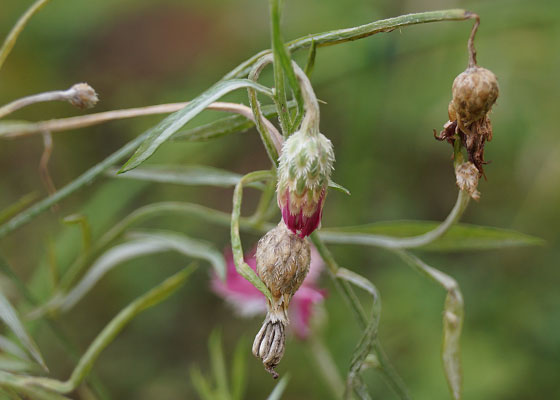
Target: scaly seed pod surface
x=283 y=260
x=474 y=93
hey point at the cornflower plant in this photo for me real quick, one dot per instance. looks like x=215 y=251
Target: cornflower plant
x=275 y=278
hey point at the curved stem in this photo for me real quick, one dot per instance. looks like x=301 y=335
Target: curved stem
x=393 y=379
x=359 y=32
x=80 y=95
x=238 y=257
x=270 y=136
x=11 y=39
x=310 y=123
x=472 y=50
x=14 y=130
x=402 y=243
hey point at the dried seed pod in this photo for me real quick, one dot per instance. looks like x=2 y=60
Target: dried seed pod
x=474 y=93
x=282 y=263
x=467 y=179
x=84 y=96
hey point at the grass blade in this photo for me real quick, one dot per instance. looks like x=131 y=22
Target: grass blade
x=218 y=364
x=239 y=370
x=9 y=315
x=160 y=133
x=184 y=175
x=278 y=390
x=186 y=246
x=201 y=385
x=109 y=333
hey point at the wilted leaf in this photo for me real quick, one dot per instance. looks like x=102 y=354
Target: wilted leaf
x=451 y=348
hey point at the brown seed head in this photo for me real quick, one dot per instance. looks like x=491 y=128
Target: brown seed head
x=282 y=263
x=474 y=93
x=84 y=96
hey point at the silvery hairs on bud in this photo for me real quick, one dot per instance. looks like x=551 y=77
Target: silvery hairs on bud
x=283 y=260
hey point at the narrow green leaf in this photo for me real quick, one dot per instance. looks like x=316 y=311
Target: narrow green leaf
x=85 y=228
x=14 y=364
x=184 y=175
x=106 y=262
x=311 y=59
x=7 y=346
x=18 y=206
x=239 y=370
x=451 y=347
x=218 y=363
x=160 y=133
x=142 y=243
x=461 y=237
x=366 y=343
x=20 y=385
x=186 y=246
x=278 y=390
x=339 y=188
x=222 y=127
x=201 y=385
x=9 y=315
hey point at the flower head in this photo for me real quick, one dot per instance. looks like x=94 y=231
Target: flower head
x=247 y=301
x=304 y=170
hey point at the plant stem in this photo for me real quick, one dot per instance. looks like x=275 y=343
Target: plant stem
x=271 y=138
x=108 y=334
x=238 y=257
x=389 y=242
x=11 y=39
x=393 y=379
x=17 y=129
x=359 y=32
x=282 y=64
x=322 y=39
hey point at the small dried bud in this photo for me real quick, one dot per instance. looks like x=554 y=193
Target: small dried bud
x=474 y=93
x=282 y=263
x=467 y=179
x=304 y=170
x=84 y=96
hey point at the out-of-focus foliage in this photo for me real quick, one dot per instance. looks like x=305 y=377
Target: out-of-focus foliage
x=384 y=96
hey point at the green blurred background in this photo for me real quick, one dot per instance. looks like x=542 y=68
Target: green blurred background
x=384 y=96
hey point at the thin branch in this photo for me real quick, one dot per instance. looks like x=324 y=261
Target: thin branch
x=406 y=242
x=271 y=138
x=14 y=130
x=11 y=39
x=44 y=164
x=472 y=50
x=359 y=32
x=80 y=95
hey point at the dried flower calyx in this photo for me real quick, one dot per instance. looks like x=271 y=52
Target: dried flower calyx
x=467 y=179
x=283 y=260
x=474 y=93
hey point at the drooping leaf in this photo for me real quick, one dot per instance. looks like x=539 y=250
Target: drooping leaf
x=184 y=175
x=18 y=206
x=278 y=390
x=461 y=237
x=187 y=246
x=171 y=124
x=9 y=315
x=142 y=243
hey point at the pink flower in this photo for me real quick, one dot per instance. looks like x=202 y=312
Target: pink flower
x=247 y=301
x=302 y=215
